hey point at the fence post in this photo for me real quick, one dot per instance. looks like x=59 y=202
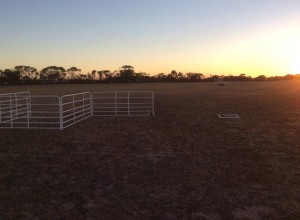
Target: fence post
x=11 y=112
x=152 y=103
x=92 y=104
x=27 y=110
x=128 y=105
x=61 y=122
x=74 y=111
x=29 y=104
x=116 y=107
x=83 y=101
x=0 y=110
x=16 y=102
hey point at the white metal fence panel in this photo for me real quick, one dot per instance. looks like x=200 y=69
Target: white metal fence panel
x=24 y=111
x=45 y=112
x=14 y=106
x=123 y=103
x=75 y=108
x=21 y=110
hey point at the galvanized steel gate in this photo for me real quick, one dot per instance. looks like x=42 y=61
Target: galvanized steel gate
x=22 y=110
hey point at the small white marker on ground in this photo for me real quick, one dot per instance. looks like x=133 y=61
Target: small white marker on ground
x=228 y=116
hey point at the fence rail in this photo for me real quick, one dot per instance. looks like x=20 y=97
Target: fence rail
x=75 y=108
x=41 y=112
x=123 y=103
x=14 y=106
x=22 y=110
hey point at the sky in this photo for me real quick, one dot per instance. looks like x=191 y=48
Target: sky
x=222 y=37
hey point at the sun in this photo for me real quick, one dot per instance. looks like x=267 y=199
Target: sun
x=295 y=66
x=293 y=61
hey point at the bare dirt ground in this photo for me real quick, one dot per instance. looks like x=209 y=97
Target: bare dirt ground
x=183 y=163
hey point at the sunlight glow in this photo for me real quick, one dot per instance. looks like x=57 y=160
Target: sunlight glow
x=295 y=66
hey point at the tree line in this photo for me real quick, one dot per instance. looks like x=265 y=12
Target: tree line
x=126 y=74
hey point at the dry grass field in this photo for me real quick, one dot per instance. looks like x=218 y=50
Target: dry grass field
x=183 y=163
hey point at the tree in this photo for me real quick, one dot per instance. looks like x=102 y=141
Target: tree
x=27 y=72
x=94 y=74
x=82 y=77
x=126 y=73
x=103 y=74
x=10 y=76
x=73 y=73
x=173 y=76
x=242 y=77
x=260 y=78
x=141 y=77
x=289 y=76
x=91 y=76
x=53 y=73
x=161 y=77
x=194 y=77
x=180 y=77
x=2 y=79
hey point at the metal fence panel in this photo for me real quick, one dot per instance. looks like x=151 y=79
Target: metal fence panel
x=45 y=112
x=22 y=110
x=25 y=111
x=123 y=103
x=75 y=108
x=14 y=106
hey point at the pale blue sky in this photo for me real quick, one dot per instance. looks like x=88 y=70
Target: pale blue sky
x=209 y=36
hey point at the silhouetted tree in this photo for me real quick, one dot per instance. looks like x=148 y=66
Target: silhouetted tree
x=173 y=76
x=194 y=77
x=1 y=76
x=103 y=74
x=91 y=76
x=53 y=73
x=94 y=74
x=141 y=77
x=243 y=78
x=73 y=73
x=161 y=77
x=27 y=73
x=82 y=77
x=288 y=77
x=10 y=76
x=126 y=74
x=260 y=78
x=214 y=77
